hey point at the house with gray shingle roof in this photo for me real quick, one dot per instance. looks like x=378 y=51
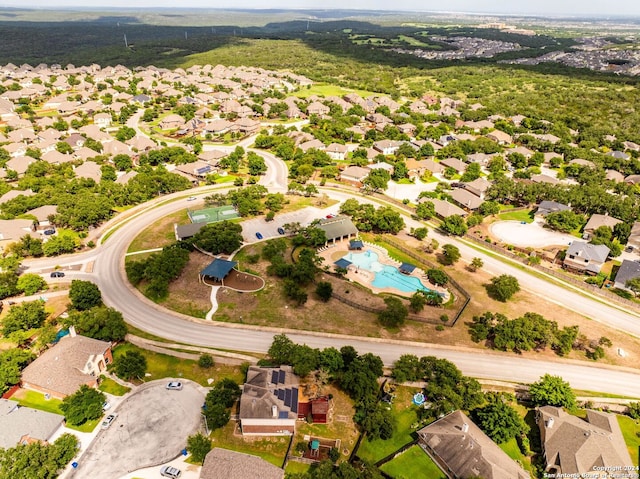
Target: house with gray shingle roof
x=628 y=270
x=584 y=257
x=573 y=446
x=596 y=221
x=546 y=207
x=226 y=464
x=466 y=199
x=444 y=209
x=23 y=425
x=61 y=370
x=458 y=446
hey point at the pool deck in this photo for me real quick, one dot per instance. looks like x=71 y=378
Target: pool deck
x=333 y=252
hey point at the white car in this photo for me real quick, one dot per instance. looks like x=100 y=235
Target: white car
x=169 y=471
x=106 y=406
x=109 y=420
x=191 y=198
x=174 y=386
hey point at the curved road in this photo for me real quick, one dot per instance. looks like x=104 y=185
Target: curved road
x=108 y=273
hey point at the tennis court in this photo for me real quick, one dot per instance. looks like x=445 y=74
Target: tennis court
x=212 y=215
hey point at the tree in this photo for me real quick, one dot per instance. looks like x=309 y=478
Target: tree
x=437 y=277
x=219 y=400
x=205 y=361
x=222 y=237
x=24 y=316
x=84 y=295
x=407 y=368
x=8 y=284
x=395 y=313
x=131 y=365
x=499 y=421
x=38 y=460
x=450 y=254
x=552 y=391
x=30 y=283
x=105 y=324
x=503 y=287
x=324 y=290
x=281 y=349
x=82 y=406
x=256 y=164
x=12 y=362
x=377 y=179
x=425 y=210
x=564 y=221
x=198 y=446
x=417 y=301
x=454 y=225
x=419 y=233
x=476 y=264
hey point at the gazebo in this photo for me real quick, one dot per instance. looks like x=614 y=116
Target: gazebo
x=343 y=263
x=218 y=269
x=356 y=244
x=407 y=268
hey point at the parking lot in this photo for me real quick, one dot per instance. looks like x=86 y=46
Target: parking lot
x=269 y=229
x=151 y=429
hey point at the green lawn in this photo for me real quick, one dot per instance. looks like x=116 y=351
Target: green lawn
x=513 y=451
x=404 y=415
x=271 y=449
x=523 y=215
x=630 y=429
x=36 y=400
x=165 y=366
x=413 y=463
x=322 y=89
x=110 y=386
x=294 y=467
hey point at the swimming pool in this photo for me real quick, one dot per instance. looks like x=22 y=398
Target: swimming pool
x=386 y=276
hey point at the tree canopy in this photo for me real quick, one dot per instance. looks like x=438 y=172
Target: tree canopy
x=552 y=391
x=82 y=406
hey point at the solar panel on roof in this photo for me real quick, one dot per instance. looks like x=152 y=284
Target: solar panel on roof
x=287 y=397
x=281 y=377
x=281 y=394
x=294 y=401
x=283 y=415
x=274 y=377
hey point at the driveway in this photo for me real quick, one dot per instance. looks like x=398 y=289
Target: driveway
x=151 y=429
x=528 y=235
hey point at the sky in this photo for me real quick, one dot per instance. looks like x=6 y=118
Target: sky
x=615 y=8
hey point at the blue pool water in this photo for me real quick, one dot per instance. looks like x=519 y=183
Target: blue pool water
x=386 y=276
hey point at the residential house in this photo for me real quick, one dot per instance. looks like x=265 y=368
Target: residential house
x=546 y=207
x=466 y=199
x=12 y=230
x=317 y=108
x=337 y=151
x=541 y=178
x=42 y=215
x=596 y=221
x=217 y=127
x=269 y=402
x=212 y=157
x=478 y=187
x=102 y=120
x=61 y=370
x=574 y=446
x=141 y=143
x=613 y=175
x=116 y=147
x=458 y=165
x=56 y=158
x=354 y=175
x=19 y=164
x=460 y=448
x=197 y=170
x=419 y=167
x=382 y=165
x=634 y=236
x=226 y=464
x=524 y=151
x=90 y=170
x=124 y=178
x=620 y=155
x=247 y=125
x=307 y=145
x=387 y=147
x=628 y=270
x=171 y=122
x=25 y=425
x=11 y=194
x=444 y=209
x=500 y=137
x=585 y=258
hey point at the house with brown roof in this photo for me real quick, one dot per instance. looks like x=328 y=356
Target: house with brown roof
x=317 y=108
x=337 y=151
x=596 y=221
x=226 y=464
x=90 y=170
x=573 y=446
x=171 y=122
x=458 y=165
x=61 y=370
x=269 y=402
x=419 y=167
x=444 y=209
x=459 y=447
x=466 y=199
x=354 y=175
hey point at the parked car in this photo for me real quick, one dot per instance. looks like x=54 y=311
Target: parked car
x=174 y=386
x=57 y=274
x=329 y=216
x=191 y=198
x=109 y=420
x=106 y=406
x=49 y=232
x=170 y=471
x=281 y=230
x=259 y=235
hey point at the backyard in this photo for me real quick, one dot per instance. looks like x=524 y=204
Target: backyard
x=412 y=464
x=272 y=449
x=404 y=414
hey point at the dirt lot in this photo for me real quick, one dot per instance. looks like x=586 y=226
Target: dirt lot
x=187 y=295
